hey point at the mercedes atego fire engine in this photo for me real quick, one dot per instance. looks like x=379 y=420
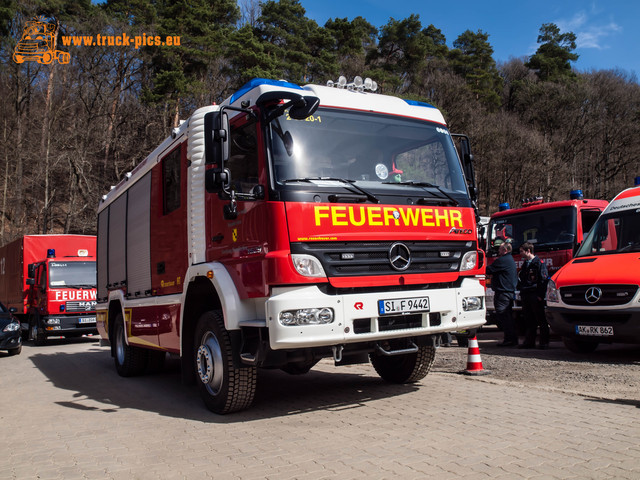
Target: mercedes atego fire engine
x=290 y=224
x=595 y=298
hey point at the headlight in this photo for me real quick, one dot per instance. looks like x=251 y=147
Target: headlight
x=308 y=265
x=471 y=303
x=12 y=327
x=469 y=261
x=553 y=295
x=307 y=316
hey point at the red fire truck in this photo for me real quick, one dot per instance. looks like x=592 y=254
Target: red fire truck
x=595 y=298
x=290 y=224
x=556 y=230
x=51 y=282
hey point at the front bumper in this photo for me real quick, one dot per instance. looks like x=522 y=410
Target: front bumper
x=625 y=322
x=357 y=318
x=54 y=325
x=10 y=340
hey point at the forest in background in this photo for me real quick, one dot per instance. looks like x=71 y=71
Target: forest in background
x=70 y=131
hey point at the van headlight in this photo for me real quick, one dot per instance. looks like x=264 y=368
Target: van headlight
x=469 y=261
x=553 y=294
x=307 y=265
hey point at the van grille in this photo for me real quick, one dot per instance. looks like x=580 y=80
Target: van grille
x=610 y=295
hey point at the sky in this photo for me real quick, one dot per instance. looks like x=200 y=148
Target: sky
x=608 y=32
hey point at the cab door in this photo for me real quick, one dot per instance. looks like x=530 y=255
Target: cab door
x=240 y=243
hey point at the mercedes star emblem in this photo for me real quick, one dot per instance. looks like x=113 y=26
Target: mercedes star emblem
x=399 y=256
x=592 y=295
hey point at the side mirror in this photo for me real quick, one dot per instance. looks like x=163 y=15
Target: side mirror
x=31 y=270
x=31 y=281
x=304 y=107
x=216 y=139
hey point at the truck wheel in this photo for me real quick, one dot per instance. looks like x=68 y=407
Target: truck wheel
x=580 y=346
x=37 y=334
x=129 y=360
x=223 y=387
x=407 y=368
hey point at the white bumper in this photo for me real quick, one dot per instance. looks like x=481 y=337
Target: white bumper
x=445 y=315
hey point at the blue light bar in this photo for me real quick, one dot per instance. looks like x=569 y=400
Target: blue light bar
x=51 y=253
x=576 y=195
x=503 y=206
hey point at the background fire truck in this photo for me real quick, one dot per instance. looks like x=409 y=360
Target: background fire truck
x=288 y=225
x=595 y=298
x=556 y=229
x=50 y=280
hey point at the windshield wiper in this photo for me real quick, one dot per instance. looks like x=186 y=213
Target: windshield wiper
x=371 y=197
x=412 y=183
x=76 y=286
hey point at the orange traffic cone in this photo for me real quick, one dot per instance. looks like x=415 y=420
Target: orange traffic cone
x=474 y=362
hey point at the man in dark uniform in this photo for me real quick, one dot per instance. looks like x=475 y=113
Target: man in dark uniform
x=533 y=280
x=504 y=277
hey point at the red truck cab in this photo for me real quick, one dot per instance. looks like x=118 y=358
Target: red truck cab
x=556 y=230
x=50 y=281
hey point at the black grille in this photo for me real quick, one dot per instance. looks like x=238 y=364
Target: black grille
x=611 y=295
x=87 y=306
x=605 y=318
x=400 y=322
x=372 y=258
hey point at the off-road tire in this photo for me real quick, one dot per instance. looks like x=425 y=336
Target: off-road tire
x=406 y=368
x=129 y=360
x=223 y=387
x=580 y=346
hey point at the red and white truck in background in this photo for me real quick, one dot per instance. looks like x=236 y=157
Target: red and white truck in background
x=556 y=230
x=51 y=282
x=595 y=298
x=290 y=224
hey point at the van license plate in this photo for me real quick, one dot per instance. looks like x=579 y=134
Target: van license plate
x=403 y=305
x=87 y=320
x=594 y=331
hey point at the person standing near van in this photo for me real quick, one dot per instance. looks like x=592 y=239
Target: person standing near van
x=533 y=278
x=504 y=278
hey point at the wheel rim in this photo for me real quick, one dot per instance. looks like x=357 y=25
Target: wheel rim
x=209 y=363
x=120 y=345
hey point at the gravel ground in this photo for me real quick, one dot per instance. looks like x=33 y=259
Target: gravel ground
x=611 y=372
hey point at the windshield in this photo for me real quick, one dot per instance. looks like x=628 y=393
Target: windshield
x=72 y=274
x=551 y=229
x=375 y=151
x=616 y=232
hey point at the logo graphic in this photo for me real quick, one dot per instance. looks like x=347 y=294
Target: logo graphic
x=358 y=305
x=592 y=295
x=38 y=44
x=399 y=256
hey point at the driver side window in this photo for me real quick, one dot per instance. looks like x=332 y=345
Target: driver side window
x=243 y=158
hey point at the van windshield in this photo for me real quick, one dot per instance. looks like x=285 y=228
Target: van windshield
x=374 y=151
x=615 y=232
